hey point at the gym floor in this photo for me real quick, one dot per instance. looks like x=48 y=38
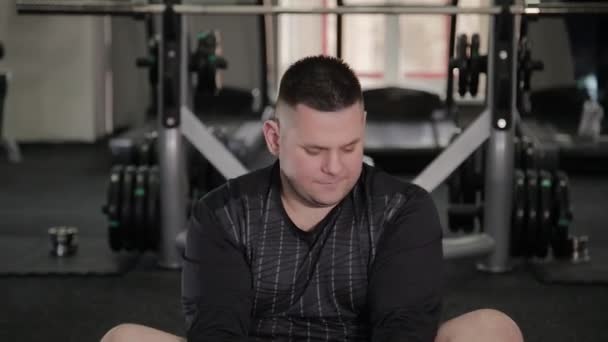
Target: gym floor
x=65 y=185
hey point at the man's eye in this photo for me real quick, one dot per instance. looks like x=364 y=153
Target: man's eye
x=313 y=151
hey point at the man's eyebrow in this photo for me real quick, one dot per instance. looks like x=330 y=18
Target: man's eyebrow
x=325 y=148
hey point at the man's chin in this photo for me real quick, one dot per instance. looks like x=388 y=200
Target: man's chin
x=327 y=200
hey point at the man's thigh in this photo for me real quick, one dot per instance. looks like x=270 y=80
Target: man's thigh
x=137 y=333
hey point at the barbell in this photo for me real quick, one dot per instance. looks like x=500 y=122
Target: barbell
x=121 y=8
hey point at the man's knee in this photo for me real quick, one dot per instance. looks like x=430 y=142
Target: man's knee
x=120 y=333
x=480 y=325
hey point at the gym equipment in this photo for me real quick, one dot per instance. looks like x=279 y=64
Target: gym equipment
x=560 y=239
x=405 y=123
x=133 y=208
x=133 y=205
x=126 y=204
x=519 y=214
x=139 y=208
x=132 y=8
x=112 y=208
x=64 y=241
x=152 y=222
x=469 y=63
x=204 y=63
x=495 y=123
x=525 y=68
x=540 y=196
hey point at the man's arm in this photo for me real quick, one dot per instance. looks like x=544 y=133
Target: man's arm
x=216 y=282
x=406 y=277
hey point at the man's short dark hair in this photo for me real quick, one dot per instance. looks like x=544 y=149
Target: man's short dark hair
x=321 y=82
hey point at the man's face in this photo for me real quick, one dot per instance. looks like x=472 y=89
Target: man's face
x=320 y=153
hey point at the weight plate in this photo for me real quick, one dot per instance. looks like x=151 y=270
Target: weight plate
x=475 y=65
x=562 y=216
x=462 y=57
x=139 y=208
x=518 y=241
x=545 y=214
x=126 y=214
x=113 y=208
x=153 y=223
x=531 y=230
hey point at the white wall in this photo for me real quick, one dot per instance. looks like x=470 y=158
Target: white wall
x=52 y=95
x=555 y=52
x=74 y=77
x=131 y=92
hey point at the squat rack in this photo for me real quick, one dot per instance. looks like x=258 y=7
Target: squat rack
x=175 y=117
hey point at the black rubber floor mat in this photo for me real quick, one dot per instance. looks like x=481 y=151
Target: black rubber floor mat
x=594 y=272
x=31 y=256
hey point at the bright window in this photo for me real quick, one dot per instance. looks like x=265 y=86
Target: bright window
x=407 y=50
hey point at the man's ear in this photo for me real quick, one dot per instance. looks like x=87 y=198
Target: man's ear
x=272 y=134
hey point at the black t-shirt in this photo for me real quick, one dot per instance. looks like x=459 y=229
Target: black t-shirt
x=371 y=270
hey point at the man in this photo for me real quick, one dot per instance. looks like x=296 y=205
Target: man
x=318 y=246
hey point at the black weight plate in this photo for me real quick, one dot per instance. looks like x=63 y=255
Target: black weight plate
x=144 y=152
x=562 y=216
x=153 y=223
x=545 y=214
x=517 y=153
x=113 y=209
x=519 y=214
x=152 y=139
x=462 y=56
x=532 y=210
x=529 y=153
x=139 y=208
x=475 y=65
x=126 y=215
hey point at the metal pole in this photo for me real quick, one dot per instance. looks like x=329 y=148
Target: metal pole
x=339 y=28
x=106 y=7
x=401 y=9
x=264 y=47
x=86 y=8
x=449 y=94
x=502 y=63
x=557 y=8
x=172 y=196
